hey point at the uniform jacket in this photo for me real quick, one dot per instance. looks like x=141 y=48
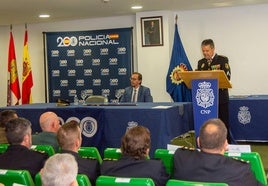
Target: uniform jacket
x=128 y=166
x=144 y=95
x=200 y=166
x=218 y=63
x=89 y=167
x=46 y=138
x=19 y=157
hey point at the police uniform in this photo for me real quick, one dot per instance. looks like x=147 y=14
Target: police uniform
x=89 y=167
x=128 y=166
x=219 y=62
x=193 y=165
x=19 y=157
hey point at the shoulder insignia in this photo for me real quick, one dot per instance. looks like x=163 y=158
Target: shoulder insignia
x=187 y=148
x=241 y=160
x=227 y=66
x=110 y=159
x=203 y=64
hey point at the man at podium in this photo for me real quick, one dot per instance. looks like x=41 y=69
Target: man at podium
x=213 y=61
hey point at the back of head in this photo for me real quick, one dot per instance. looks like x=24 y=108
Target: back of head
x=212 y=135
x=7 y=115
x=59 y=170
x=68 y=135
x=16 y=129
x=49 y=122
x=136 y=142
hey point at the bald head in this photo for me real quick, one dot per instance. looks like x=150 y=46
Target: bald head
x=212 y=136
x=49 y=122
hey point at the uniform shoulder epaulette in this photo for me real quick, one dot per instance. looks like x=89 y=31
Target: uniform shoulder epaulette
x=241 y=160
x=187 y=148
x=223 y=56
x=40 y=151
x=86 y=157
x=110 y=159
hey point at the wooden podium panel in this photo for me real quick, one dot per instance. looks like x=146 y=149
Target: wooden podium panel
x=188 y=76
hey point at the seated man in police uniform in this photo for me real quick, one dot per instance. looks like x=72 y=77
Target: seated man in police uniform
x=18 y=155
x=135 y=145
x=136 y=92
x=70 y=140
x=210 y=164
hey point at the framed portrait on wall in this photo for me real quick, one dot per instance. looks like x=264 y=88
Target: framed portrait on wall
x=152 y=31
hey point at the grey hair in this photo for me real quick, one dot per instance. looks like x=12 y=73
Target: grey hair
x=59 y=170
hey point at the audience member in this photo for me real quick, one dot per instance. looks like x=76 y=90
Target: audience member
x=210 y=164
x=18 y=154
x=60 y=170
x=70 y=139
x=135 y=146
x=50 y=124
x=136 y=92
x=5 y=116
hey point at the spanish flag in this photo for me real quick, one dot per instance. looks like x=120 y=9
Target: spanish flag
x=13 y=96
x=27 y=80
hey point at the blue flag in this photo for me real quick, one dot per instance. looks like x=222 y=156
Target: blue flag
x=179 y=62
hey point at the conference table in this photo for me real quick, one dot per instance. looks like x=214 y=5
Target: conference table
x=103 y=125
x=249 y=118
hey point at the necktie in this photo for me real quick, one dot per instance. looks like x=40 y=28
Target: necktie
x=134 y=96
x=209 y=62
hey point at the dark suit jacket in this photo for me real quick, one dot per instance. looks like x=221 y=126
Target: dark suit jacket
x=218 y=63
x=46 y=138
x=89 y=167
x=200 y=166
x=127 y=166
x=19 y=157
x=144 y=95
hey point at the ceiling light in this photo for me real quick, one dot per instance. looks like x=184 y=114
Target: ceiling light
x=44 y=16
x=136 y=7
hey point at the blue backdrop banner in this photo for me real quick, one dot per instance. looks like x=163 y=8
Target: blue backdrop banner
x=98 y=62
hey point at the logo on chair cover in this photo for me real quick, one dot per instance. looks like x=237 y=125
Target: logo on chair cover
x=88 y=126
x=204 y=95
x=131 y=124
x=244 y=115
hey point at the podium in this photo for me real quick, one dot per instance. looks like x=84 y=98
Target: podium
x=205 y=89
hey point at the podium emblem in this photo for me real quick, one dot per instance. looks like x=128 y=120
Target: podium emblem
x=204 y=95
x=244 y=116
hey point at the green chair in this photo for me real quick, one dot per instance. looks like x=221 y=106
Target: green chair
x=81 y=179
x=3 y=147
x=44 y=148
x=255 y=161
x=90 y=152
x=112 y=153
x=119 y=181
x=167 y=156
x=173 y=182
x=13 y=177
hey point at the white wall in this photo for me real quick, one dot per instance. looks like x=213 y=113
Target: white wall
x=240 y=33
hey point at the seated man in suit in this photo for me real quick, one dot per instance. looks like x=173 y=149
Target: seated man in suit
x=50 y=124
x=60 y=169
x=135 y=146
x=18 y=155
x=136 y=92
x=210 y=164
x=5 y=116
x=70 y=140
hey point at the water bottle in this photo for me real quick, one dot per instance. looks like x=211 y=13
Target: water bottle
x=76 y=100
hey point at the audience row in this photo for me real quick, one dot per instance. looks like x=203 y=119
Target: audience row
x=207 y=164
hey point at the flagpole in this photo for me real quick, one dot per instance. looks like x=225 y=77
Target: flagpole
x=176 y=18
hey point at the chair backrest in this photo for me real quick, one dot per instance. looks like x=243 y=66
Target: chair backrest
x=173 y=182
x=44 y=148
x=112 y=153
x=119 y=181
x=255 y=161
x=90 y=152
x=12 y=177
x=81 y=179
x=96 y=99
x=3 y=147
x=167 y=156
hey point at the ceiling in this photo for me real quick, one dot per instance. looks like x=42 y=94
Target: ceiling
x=27 y=11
